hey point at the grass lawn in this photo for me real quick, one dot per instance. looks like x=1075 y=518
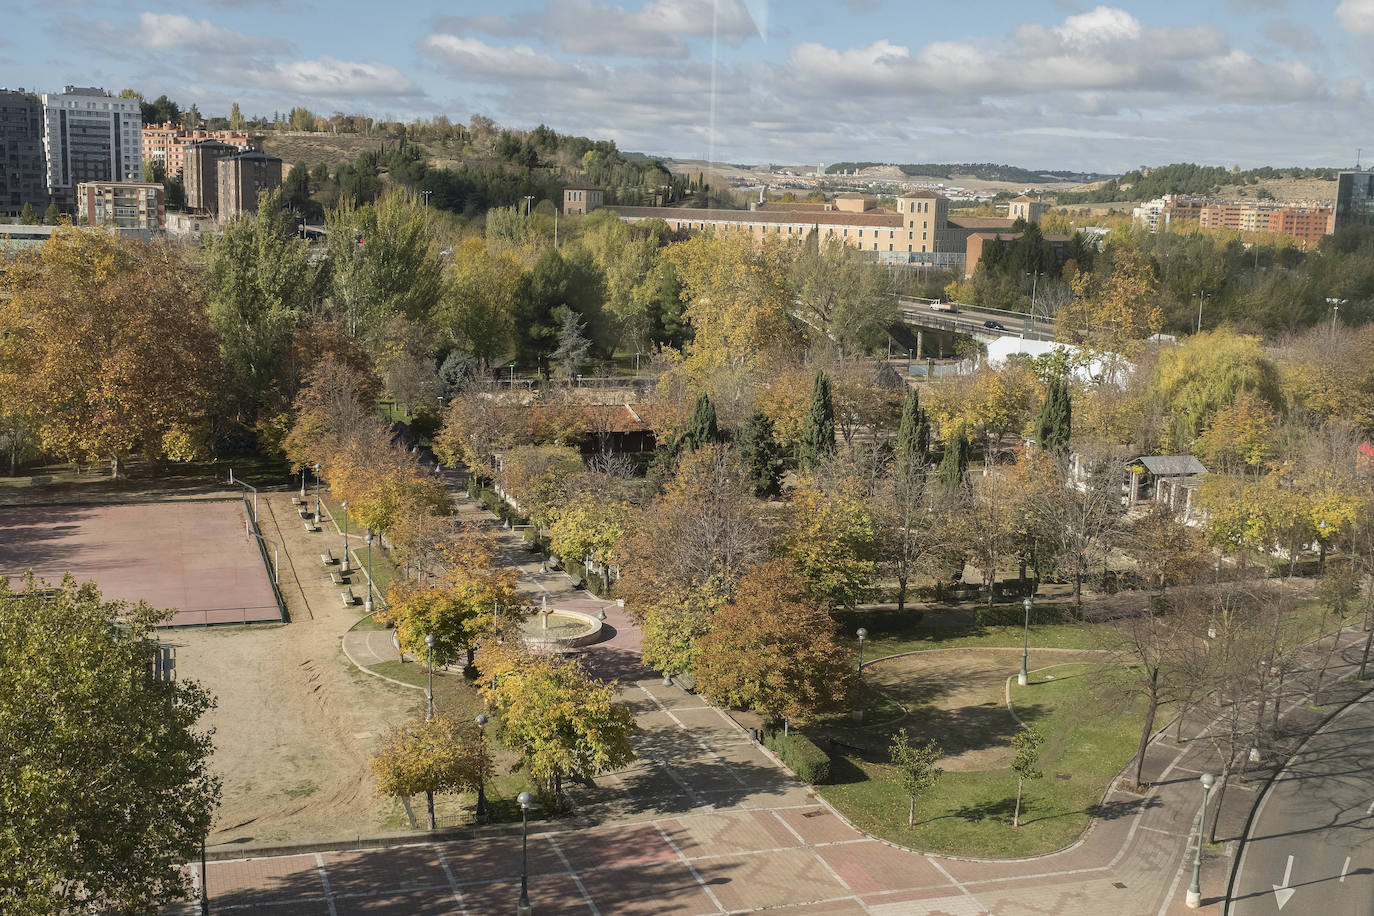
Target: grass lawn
x=970 y=812
x=382 y=569
x=890 y=634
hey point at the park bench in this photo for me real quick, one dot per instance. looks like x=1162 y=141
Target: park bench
x=347 y=597
x=327 y=558
x=309 y=525
x=297 y=501
x=337 y=578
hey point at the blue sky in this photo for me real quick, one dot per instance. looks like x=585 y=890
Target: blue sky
x=1053 y=84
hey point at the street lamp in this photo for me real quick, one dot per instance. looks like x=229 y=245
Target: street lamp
x=523 y=907
x=1194 y=899
x=1024 y=675
x=344 y=566
x=862 y=634
x=481 y=786
x=429 y=641
x=317 y=495
x=367 y=603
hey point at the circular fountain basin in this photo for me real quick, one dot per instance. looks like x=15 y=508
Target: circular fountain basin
x=559 y=630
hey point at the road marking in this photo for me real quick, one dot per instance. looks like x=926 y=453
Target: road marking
x=1345 y=868
x=452 y=882
x=582 y=889
x=1282 y=892
x=1370 y=810
x=696 y=875
x=324 y=880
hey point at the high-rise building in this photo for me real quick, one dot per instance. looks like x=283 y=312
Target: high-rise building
x=242 y=178
x=200 y=173
x=1355 y=198
x=90 y=135
x=22 y=178
x=120 y=204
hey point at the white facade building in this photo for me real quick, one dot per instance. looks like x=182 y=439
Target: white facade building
x=90 y=135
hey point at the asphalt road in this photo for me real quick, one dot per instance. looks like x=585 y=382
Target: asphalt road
x=969 y=319
x=1311 y=846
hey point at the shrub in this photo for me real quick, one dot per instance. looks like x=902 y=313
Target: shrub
x=1013 y=615
x=800 y=753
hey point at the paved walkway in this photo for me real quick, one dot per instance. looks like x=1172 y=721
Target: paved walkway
x=705 y=822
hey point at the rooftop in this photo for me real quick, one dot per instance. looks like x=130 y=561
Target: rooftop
x=781 y=217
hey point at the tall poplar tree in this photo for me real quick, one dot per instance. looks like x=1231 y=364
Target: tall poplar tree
x=818 y=427
x=1055 y=422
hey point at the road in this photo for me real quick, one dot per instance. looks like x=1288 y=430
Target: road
x=1311 y=846
x=970 y=320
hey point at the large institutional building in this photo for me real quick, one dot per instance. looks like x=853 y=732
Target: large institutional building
x=90 y=135
x=23 y=179
x=919 y=231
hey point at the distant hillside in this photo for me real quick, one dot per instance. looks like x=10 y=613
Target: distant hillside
x=331 y=149
x=1201 y=181
x=986 y=171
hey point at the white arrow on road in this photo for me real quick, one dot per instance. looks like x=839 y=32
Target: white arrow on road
x=1282 y=892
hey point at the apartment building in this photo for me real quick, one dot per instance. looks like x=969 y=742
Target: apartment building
x=169 y=144
x=242 y=177
x=121 y=204
x=1306 y=224
x=90 y=135
x=200 y=174
x=23 y=178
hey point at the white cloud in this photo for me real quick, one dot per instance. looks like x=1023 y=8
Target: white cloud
x=344 y=80
x=1102 y=25
x=169 y=31
x=472 y=59
x=1356 y=16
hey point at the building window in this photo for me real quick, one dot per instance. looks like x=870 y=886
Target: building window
x=861 y=233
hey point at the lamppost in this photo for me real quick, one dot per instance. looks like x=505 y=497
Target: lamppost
x=429 y=641
x=1024 y=675
x=1194 y=899
x=481 y=786
x=344 y=566
x=303 y=470
x=862 y=634
x=317 y=495
x=522 y=908
x=367 y=603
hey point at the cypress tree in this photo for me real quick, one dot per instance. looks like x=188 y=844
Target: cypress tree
x=818 y=429
x=27 y=215
x=1055 y=423
x=906 y=430
x=760 y=454
x=955 y=461
x=701 y=427
x=52 y=215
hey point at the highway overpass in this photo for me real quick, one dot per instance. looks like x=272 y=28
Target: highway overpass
x=972 y=320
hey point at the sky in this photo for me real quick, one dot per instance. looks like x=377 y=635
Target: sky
x=1036 y=83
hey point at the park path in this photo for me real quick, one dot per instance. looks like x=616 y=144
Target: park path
x=707 y=822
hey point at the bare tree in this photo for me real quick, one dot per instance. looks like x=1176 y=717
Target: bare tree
x=1083 y=518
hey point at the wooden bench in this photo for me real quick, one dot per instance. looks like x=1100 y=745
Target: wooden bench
x=309 y=525
x=297 y=501
x=347 y=597
x=327 y=558
x=337 y=578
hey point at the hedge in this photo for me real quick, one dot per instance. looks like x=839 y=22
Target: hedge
x=800 y=753
x=1014 y=615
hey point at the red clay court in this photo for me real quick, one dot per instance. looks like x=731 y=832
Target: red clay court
x=193 y=557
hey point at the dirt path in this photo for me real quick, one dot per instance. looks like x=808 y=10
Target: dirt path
x=296 y=724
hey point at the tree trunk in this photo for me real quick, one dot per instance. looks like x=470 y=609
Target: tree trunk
x=901 y=593
x=429 y=802
x=1364 y=660
x=911 y=811
x=1178 y=726
x=1016 y=816
x=1078 y=591
x=1148 y=727
x=410 y=812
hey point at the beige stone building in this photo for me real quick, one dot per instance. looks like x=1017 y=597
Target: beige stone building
x=579 y=200
x=1026 y=208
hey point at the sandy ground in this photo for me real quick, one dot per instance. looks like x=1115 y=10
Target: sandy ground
x=296 y=724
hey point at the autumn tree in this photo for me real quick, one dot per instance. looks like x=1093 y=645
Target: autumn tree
x=818 y=426
x=774 y=651
x=534 y=477
x=1194 y=380
x=562 y=721
x=588 y=528
x=1238 y=436
x=1026 y=743
x=915 y=766
x=1080 y=521
x=844 y=300
x=431 y=758
x=103 y=344
x=477 y=305
x=106 y=787
x=831 y=538
x=1165 y=550
x=1112 y=310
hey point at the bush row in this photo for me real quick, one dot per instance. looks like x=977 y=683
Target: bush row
x=1013 y=615
x=800 y=753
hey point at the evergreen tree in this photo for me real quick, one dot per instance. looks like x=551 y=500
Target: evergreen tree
x=955 y=462
x=235 y=117
x=701 y=427
x=1055 y=422
x=52 y=215
x=913 y=434
x=760 y=454
x=28 y=216
x=573 y=345
x=818 y=429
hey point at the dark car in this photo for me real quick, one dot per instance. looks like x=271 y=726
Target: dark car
x=995 y=325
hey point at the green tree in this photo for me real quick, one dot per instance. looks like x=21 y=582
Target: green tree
x=236 y=121
x=28 y=216
x=106 y=788
x=913 y=432
x=701 y=426
x=573 y=345
x=915 y=766
x=429 y=758
x=589 y=528
x=818 y=426
x=773 y=651
x=843 y=299
x=760 y=454
x=954 y=463
x=259 y=284
x=52 y=215
x=1054 y=424
x=1026 y=743
x=832 y=539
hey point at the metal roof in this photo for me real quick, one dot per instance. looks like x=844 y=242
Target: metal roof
x=1172 y=465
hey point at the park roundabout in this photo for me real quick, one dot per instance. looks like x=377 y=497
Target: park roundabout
x=968 y=701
